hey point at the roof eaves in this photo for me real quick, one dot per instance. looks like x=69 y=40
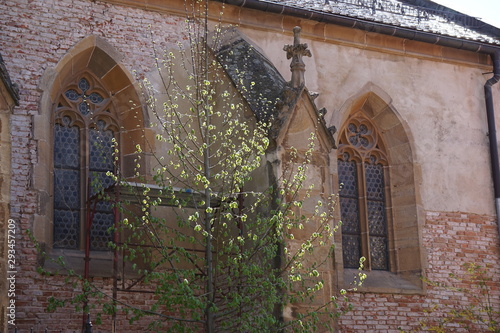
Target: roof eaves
x=369 y=25
x=479 y=25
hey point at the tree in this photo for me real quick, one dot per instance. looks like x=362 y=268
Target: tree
x=215 y=239
x=478 y=314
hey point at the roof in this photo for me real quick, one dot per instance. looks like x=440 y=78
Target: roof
x=248 y=68
x=418 y=15
x=5 y=78
x=269 y=96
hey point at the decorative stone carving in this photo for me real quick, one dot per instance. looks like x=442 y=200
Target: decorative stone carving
x=296 y=52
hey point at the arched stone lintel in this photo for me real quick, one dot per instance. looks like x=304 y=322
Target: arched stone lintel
x=96 y=55
x=377 y=106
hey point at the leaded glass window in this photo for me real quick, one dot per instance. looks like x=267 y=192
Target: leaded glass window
x=363 y=204
x=100 y=162
x=67 y=203
x=351 y=232
x=85 y=136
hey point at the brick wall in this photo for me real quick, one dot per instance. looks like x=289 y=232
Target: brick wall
x=34 y=36
x=451 y=241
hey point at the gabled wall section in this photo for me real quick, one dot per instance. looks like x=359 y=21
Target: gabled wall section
x=301 y=128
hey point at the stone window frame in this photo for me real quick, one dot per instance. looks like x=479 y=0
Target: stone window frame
x=95 y=56
x=360 y=154
x=66 y=109
x=406 y=252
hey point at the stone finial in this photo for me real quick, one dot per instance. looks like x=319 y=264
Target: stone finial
x=313 y=95
x=296 y=52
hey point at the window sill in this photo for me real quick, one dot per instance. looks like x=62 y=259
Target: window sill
x=383 y=282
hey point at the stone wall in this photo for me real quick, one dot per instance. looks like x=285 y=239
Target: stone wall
x=35 y=36
x=8 y=99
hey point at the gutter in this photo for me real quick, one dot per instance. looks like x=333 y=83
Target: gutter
x=355 y=23
x=492 y=132
x=462 y=44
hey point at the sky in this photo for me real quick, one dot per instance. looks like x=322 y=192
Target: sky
x=486 y=10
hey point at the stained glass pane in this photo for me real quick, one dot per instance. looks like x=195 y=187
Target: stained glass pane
x=66 y=229
x=104 y=205
x=67 y=200
x=101 y=235
x=348 y=179
x=101 y=150
x=100 y=162
x=374 y=181
x=353 y=139
x=349 y=209
x=376 y=218
x=349 y=212
x=72 y=95
x=84 y=108
x=95 y=98
x=99 y=181
x=351 y=248
x=67 y=189
x=66 y=147
x=84 y=85
x=378 y=253
x=377 y=223
x=364 y=142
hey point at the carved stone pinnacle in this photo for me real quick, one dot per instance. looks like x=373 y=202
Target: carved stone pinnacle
x=296 y=52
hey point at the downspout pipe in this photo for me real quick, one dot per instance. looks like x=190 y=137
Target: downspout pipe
x=492 y=132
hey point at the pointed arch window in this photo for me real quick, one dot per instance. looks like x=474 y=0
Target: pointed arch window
x=363 y=178
x=85 y=138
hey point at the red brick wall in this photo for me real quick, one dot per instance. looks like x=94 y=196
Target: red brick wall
x=34 y=36
x=451 y=241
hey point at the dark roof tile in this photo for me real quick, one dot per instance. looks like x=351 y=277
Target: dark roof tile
x=421 y=15
x=252 y=73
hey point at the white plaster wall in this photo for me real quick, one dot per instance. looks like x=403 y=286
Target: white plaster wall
x=441 y=102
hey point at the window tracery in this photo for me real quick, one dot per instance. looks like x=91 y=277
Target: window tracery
x=362 y=170
x=85 y=135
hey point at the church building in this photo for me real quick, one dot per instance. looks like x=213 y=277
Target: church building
x=397 y=95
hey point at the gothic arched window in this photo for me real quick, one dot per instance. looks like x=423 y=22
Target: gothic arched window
x=363 y=178
x=85 y=137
